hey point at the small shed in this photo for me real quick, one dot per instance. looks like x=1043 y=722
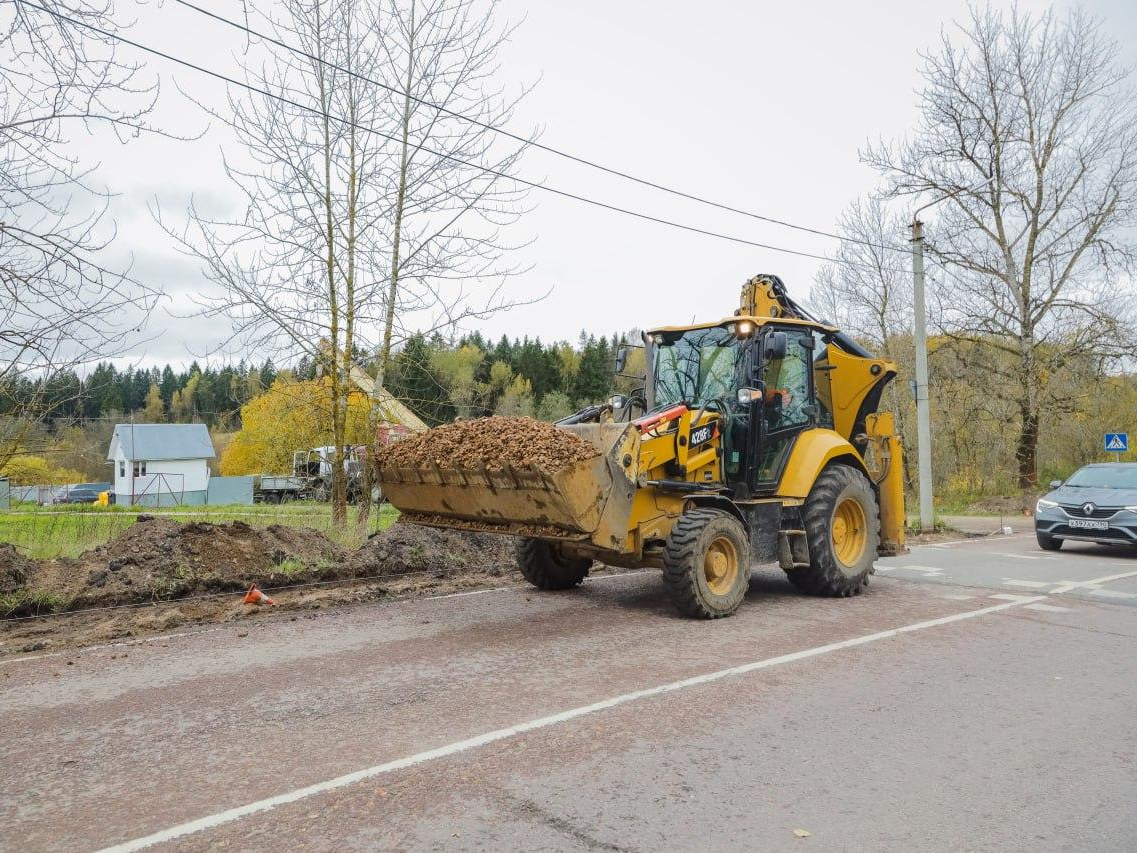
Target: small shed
x=161 y=464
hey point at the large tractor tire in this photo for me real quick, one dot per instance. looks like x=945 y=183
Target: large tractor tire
x=706 y=564
x=544 y=566
x=842 y=529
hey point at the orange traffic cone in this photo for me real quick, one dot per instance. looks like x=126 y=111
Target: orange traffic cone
x=255 y=596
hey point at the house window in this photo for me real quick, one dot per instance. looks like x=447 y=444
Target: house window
x=139 y=469
x=122 y=467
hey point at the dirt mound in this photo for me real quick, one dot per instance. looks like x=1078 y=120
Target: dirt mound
x=406 y=547
x=159 y=558
x=14 y=569
x=495 y=441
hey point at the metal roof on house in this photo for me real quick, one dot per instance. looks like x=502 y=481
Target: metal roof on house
x=146 y=442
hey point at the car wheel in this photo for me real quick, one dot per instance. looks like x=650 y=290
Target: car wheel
x=1047 y=543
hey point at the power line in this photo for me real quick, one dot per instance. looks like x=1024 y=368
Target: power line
x=531 y=142
x=484 y=169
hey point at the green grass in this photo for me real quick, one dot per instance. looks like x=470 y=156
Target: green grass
x=29 y=602
x=67 y=531
x=291 y=566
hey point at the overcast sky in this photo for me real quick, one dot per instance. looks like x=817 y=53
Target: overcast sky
x=762 y=106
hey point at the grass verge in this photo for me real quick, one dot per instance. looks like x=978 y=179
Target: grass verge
x=67 y=531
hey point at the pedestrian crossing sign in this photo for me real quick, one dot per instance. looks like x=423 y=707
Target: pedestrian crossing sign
x=1117 y=442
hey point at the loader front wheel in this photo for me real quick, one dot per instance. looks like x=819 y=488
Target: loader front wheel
x=544 y=566
x=706 y=564
x=842 y=528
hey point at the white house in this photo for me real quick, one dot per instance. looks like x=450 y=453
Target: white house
x=161 y=464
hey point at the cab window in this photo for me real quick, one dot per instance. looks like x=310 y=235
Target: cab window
x=787 y=405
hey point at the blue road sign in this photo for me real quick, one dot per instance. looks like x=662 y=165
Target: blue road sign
x=1117 y=442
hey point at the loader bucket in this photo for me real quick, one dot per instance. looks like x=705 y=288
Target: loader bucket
x=587 y=501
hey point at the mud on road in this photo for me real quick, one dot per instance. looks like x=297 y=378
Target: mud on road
x=161 y=574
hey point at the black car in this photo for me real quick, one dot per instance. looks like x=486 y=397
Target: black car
x=78 y=496
x=1097 y=503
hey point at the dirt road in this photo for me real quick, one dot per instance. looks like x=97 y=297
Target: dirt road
x=922 y=715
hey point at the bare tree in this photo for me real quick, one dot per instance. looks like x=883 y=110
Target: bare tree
x=452 y=192
x=868 y=293
x=366 y=209
x=1028 y=133
x=61 y=306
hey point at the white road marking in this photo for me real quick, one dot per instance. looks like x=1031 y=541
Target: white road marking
x=116 y=645
x=1047 y=608
x=1028 y=584
x=1095 y=582
x=239 y=812
x=1010 y=596
x=1112 y=593
x=928 y=570
x=957 y=597
x=1017 y=556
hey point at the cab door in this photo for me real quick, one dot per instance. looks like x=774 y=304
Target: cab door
x=788 y=405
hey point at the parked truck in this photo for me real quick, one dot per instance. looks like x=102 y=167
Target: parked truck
x=311 y=477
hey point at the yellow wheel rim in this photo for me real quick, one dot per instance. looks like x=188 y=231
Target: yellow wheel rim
x=849 y=531
x=720 y=566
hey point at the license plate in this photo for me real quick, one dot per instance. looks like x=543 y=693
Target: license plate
x=702 y=434
x=1088 y=523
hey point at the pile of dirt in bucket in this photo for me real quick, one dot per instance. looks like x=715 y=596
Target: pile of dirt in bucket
x=494 y=442
x=160 y=558
x=14 y=569
x=406 y=547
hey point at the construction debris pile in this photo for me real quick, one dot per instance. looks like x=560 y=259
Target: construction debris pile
x=493 y=442
x=14 y=569
x=161 y=559
x=442 y=553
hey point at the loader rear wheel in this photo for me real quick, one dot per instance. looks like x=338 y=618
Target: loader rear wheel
x=842 y=527
x=544 y=566
x=706 y=564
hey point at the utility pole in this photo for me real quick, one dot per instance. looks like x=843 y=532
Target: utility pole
x=923 y=415
x=920 y=339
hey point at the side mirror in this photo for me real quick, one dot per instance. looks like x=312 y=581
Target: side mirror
x=1054 y=484
x=774 y=346
x=621 y=359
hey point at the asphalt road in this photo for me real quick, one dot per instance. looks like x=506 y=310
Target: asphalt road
x=980 y=696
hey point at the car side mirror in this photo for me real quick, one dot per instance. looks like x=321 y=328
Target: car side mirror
x=1055 y=484
x=621 y=359
x=774 y=347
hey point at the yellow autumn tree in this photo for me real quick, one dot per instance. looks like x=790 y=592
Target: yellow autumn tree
x=37 y=471
x=290 y=416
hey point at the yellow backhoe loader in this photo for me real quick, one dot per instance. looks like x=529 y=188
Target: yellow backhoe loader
x=755 y=439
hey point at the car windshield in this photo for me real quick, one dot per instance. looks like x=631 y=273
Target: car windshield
x=1105 y=477
x=695 y=367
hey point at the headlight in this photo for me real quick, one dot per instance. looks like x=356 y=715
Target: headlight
x=1132 y=508
x=1043 y=503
